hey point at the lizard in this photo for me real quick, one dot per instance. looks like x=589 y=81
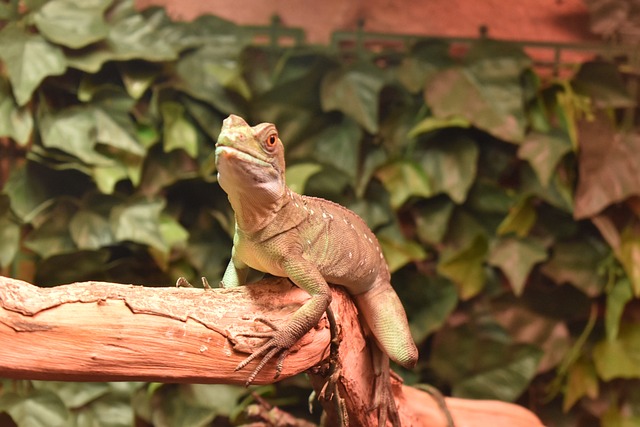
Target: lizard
x=313 y=242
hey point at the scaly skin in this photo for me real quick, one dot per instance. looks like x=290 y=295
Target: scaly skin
x=310 y=240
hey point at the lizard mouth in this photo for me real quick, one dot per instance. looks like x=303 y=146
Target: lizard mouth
x=225 y=152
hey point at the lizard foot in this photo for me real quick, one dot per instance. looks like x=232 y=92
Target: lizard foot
x=184 y=283
x=278 y=341
x=384 y=403
x=383 y=400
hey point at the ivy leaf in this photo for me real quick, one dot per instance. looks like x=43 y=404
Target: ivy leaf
x=131 y=36
x=465 y=267
x=9 y=240
x=428 y=300
x=138 y=221
x=15 y=122
x=520 y=219
x=73 y=23
x=178 y=131
x=203 y=74
x=37 y=409
x=602 y=82
x=608 y=165
x=73 y=394
x=451 y=167
x=431 y=124
x=338 y=145
x=480 y=362
x=505 y=380
x=617 y=299
x=576 y=262
x=582 y=380
x=404 y=179
x=397 y=249
x=516 y=257
x=52 y=237
x=28 y=58
x=619 y=358
x=354 y=91
x=459 y=93
x=90 y=230
x=208 y=248
x=629 y=255
x=543 y=151
x=297 y=175
x=73 y=130
x=432 y=219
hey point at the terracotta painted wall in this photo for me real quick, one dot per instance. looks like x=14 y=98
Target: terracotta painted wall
x=547 y=20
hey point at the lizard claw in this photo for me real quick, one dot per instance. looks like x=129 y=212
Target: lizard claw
x=276 y=343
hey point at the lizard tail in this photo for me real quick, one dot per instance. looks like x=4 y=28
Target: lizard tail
x=383 y=312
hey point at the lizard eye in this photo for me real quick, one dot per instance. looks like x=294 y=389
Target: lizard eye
x=271 y=140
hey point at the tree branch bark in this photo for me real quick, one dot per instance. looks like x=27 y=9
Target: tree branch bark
x=96 y=331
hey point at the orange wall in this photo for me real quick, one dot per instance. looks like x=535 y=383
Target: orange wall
x=546 y=20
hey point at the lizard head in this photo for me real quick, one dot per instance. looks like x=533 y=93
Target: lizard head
x=250 y=160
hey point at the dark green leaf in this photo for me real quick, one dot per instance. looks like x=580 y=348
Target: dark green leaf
x=602 y=82
x=576 y=262
x=354 y=91
x=90 y=230
x=222 y=398
x=428 y=300
x=465 y=267
x=138 y=221
x=213 y=76
x=506 y=379
x=178 y=132
x=480 y=362
x=15 y=122
x=516 y=257
x=9 y=240
x=544 y=151
x=28 y=58
x=432 y=219
x=73 y=130
x=73 y=394
x=38 y=409
x=104 y=413
x=131 y=36
x=52 y=237
x=451 y=167
x=73 y=23
x=339 y=146
x=404 y=179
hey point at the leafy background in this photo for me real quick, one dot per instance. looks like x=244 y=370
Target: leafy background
x=506 y=201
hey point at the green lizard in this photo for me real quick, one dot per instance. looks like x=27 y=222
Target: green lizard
x=313 y=242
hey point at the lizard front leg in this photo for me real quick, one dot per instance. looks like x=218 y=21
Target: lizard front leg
x=279 y=340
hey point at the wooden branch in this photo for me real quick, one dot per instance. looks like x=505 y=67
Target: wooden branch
x=96 y=331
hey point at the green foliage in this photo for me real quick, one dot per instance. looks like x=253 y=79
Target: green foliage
x=505 y=203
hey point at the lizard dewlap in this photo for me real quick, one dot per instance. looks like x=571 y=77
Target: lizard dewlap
x=312 y=241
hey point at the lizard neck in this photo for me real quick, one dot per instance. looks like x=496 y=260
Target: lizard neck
x=266 y=219
x=254 y=211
